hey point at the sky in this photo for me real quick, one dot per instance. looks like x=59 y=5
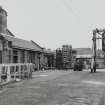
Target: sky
x=53 y=23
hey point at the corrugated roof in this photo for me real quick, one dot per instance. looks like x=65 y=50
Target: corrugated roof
x=23 y=44
x=48 y=51
x=83 y=51
x=84 y=56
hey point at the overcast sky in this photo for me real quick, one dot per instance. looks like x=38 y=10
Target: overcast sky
x=52 y=23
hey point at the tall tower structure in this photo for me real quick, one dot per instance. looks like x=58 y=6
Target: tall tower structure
x=3 y=20
x=59 y=61
x=67 y=56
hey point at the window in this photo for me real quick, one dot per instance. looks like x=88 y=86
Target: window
x=9 y=44
x=15 y=56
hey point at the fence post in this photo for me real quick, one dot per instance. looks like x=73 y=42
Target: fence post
x=19 y=71
x=8 y=74
x=22 y=70
x=28 y=71
x=15 y=72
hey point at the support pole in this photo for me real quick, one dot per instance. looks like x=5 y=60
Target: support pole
x=94 y=41
x=0 y=72
x=93 y=62
x=8 y=74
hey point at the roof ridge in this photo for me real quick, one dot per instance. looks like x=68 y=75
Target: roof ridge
x=36 y=44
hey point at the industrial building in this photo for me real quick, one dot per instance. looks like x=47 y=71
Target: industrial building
x=18 y=55
x=84 y=55
x=67 y=56
x=64 y=57
x=59 y=60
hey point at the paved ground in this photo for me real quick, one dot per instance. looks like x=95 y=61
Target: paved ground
x=57 y=88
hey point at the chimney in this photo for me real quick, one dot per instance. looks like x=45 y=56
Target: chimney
x=3 y=20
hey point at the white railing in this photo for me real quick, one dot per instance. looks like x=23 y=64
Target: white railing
x=18 y=71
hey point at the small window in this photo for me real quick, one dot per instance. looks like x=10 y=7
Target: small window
x=9 y=44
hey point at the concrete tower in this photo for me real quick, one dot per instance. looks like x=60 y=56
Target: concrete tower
x=67 y=56
x=3 y=20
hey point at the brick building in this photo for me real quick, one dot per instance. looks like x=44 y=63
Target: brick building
x=16 y=50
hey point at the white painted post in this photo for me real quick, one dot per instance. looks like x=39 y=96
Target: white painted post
x=19 y=72
x=28 y=71
x=8 y=74
x=23 y=70
x=15 y=72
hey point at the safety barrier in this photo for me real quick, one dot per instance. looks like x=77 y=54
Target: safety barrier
x=15 y=72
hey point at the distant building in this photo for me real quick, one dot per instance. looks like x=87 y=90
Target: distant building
x=48 y=59
x=67 y=56
x=59 y=60
x=74 y=53
x=100 y=59
x=85 y=55
x=54 y=52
